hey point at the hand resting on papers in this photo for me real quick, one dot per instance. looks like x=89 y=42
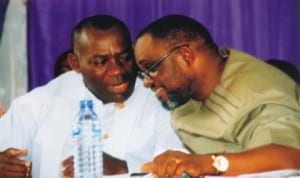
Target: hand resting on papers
x=113 y=165
x=178 y=163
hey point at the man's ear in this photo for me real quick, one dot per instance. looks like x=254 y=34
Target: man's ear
x=73 y=61
x=187 y=54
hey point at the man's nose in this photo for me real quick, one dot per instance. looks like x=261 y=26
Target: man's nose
x=114 y=67
x=148 y=82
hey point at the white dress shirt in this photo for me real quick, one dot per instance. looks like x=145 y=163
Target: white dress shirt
x=41 y=121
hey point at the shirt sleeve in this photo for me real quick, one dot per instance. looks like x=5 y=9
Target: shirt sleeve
x=274 y=124
x=18 y=126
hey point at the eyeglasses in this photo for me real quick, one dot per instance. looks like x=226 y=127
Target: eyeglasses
x=149 y=72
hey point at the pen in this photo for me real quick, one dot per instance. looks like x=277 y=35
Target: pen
x=184 y=175
x=138 y=174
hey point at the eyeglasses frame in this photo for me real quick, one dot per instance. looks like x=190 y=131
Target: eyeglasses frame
x=146 y=72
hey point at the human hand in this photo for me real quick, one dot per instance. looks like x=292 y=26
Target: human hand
x=113 y=165
x=176 y=164
x=68 y=167
x=11 y=166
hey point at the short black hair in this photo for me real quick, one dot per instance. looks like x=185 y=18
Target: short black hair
x=178 y=28
x=102 y=22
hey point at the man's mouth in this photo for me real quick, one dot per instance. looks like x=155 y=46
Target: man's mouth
x=161 y=94
x=119 y=88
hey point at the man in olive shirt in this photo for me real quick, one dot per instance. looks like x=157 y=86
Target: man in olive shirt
x=236 y=114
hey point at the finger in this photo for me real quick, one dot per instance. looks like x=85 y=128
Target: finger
x=171 y=168
x=68 y=171
x=29 y=168
x=14 y=171
x=180 y=170
x=68 y=167
x=67 y=161
x=13 y=161
x=13 y=152
x=147 y=167
x=12 y=174
x=160 y=167
x=6 y=167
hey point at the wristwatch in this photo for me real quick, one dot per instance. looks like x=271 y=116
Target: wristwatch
x=221 y=163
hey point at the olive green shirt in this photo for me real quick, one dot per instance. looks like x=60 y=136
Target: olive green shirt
x=254 y=104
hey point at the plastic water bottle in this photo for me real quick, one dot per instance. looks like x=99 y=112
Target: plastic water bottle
x=87 y=135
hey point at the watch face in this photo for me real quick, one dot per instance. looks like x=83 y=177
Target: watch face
x=221 y=163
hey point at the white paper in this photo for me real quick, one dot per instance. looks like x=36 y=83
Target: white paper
x=291 y=173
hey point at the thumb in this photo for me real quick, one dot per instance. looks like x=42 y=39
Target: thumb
x=13 y=152
x=147 y=167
